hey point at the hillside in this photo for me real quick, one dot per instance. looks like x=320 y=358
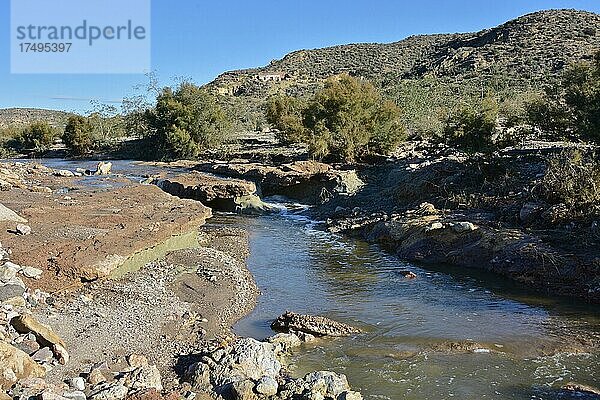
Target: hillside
x=520 y=54
x=15 y=117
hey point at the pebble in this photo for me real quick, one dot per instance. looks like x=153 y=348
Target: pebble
x=77 y=383
x=23 y=230
x=31 y=272
x=43 y=355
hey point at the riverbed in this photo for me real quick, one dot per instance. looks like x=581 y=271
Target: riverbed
x=449 y=333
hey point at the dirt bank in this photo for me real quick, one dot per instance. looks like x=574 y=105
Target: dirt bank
x=164 y=311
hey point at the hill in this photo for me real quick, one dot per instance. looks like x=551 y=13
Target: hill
x=17 y=117
x=522 y=54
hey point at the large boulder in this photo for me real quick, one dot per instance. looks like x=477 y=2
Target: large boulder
x=252 y=370
x=6 y=214
x=16 y=365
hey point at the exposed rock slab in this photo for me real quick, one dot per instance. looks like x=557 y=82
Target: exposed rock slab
x=312 y=324
x=223 y=194
x=307 y=181
x=93 y=232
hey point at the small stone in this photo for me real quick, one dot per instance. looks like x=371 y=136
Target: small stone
x=136 y=361
x=435 y=226
x=23 y=230
x=460 y=227
x=243 y=390
x=96 y=377
x=29 y=346
x=12 y=289
x=145 y=377
x=7 y=272
x=77 y=383
x=49 y=395
x=64 y=173
x=408 y=274
x=5 y=186
x=106 y=391
x=267 y=386
x=43 y=355
x=350 y=395
x=61 y=353
x=31 y=272
x=75 y=395
x=287 y=340
x=103 y=168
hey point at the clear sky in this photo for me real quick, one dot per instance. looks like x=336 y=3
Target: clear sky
x=200 y=39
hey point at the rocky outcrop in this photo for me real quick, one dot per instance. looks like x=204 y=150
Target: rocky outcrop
x=251 y=370
x=90 y=234
x=222 y=194
x=312 y=324
x=310 y=182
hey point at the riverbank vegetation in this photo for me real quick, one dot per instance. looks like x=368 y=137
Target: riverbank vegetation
x=348 y=120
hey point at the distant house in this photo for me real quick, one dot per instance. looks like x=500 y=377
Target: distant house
x=270 y=77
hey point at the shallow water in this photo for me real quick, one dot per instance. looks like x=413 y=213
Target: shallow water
x=403 y=354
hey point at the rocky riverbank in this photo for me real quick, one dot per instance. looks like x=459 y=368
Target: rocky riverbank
x=432 y=204
x=126 y=293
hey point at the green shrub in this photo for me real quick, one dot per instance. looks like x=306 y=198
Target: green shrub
x=572 y=107
x=284 y=113
x=345 y=121
x=38 y=136
x=185 y=122
x=77 y=136
x=472 y=128
x=10 y=141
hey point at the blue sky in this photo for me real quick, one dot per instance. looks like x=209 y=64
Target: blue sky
x=200 y=39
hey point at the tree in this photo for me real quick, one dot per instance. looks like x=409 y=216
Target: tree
x=77 y=136
x=38 y=136
x=581 y=85
x=347 y=120
x=184 y=122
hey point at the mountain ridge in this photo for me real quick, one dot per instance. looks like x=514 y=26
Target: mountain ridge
x=529 y=50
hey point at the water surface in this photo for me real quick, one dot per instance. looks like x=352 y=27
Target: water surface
x=511 y=335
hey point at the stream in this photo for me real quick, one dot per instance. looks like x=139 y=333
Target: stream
x=519 y=345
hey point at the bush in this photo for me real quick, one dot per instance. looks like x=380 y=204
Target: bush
x=573 y=178
x=77 y=136
x=471 y=128
x=10 y=141
x=38 y=136
x=346 y=121
x=571 y=108
x=184 y=122
x=284 y=113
